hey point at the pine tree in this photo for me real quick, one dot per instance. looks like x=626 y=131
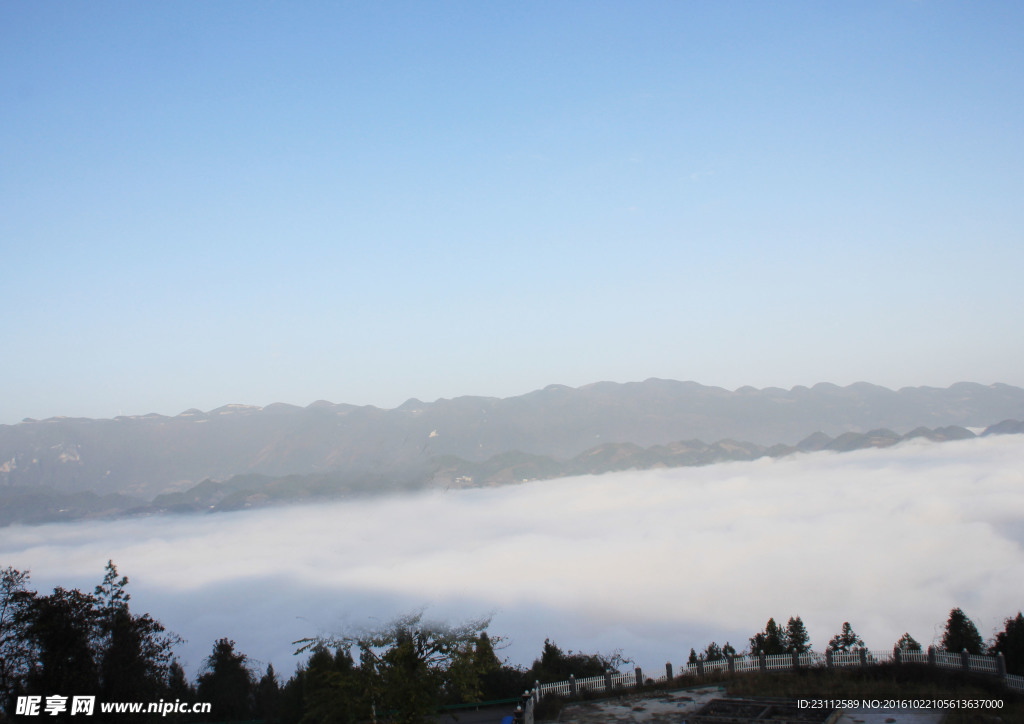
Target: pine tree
x=1010 y=643
x=907 y=643
x=178 y=686
x=15 y=652
x=497 y=681
x=713 y=652
x=111 y=594
x=771 y=641
x=135 y=651
x=847 y=640
x=961 y=634
x=268 y=694
x=71 y=642
x=797 y=637
x=330 y=691
x=227 y=683
x=60 y=629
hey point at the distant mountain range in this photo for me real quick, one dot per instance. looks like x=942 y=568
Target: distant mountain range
x=242 y=456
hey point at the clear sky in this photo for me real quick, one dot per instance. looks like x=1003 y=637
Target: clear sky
x=204 y=203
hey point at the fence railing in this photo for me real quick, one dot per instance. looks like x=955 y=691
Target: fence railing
x=973 y=663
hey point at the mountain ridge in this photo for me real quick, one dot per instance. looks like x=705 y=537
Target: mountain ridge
x=153 y=454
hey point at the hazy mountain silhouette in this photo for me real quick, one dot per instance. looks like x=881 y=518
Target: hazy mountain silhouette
x=149 y=455
x=40 y=504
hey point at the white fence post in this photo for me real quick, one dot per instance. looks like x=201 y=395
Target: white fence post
x=991 y=665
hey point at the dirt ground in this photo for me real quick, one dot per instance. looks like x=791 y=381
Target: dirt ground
x=670 y=707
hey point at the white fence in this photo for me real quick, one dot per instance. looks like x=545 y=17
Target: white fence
x=990 y=665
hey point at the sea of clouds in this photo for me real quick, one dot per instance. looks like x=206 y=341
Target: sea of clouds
x=651 y=562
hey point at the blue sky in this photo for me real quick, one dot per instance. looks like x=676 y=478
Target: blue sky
x=207 y=203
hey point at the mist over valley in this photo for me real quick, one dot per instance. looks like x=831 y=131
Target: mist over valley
x=652 y=562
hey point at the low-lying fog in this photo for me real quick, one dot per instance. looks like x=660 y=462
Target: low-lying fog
x=651 y=562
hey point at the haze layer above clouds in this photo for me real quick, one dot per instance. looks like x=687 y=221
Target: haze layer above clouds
x=652 y=562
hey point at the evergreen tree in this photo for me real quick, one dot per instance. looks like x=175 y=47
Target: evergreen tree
x=771 y=641
x=552 y=665
x=907 y=643
x=728 y=649
x=292 y=700
x=60 y=630
x=134 y=651
x=409 y=666
x=111 y=594
x=74 y=643
x=227 y=683
x=177 y=689
x=1010 y=643
x=267 y=698
x=961 y=633
x=713 y=652
x=797 y=638
x=555 y=665
x=693 y=657
x=15 y=653
x=498 y=680
x=332 y=689
x=846 y=640
x=178 y=686
x=462 y=683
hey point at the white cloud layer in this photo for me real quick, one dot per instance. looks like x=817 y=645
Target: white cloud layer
x=652 y=562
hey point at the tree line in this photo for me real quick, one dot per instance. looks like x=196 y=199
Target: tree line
x=72 y=643
x=960 y=634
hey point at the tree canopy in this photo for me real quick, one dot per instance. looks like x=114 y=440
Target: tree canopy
x=226 y=682
x=961 y=634
x=845 y=640
x=73 y=643
x=907 y=643
x=407 y=668
x=797 y=638
x=771 y=641
x=1010 y=643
